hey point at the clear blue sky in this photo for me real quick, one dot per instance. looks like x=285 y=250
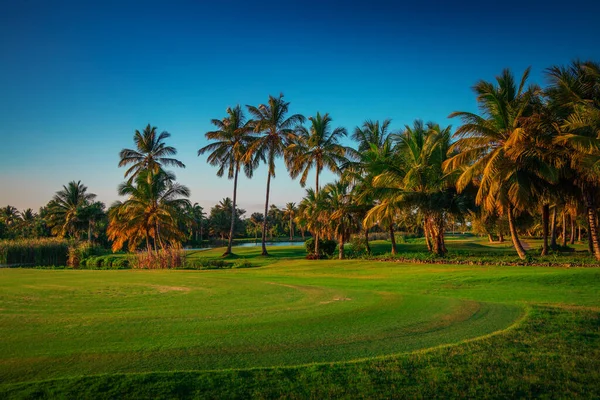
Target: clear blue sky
x=78 y=78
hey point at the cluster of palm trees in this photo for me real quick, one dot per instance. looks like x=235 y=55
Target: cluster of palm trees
x=529 y=149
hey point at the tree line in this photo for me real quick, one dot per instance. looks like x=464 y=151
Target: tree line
x=526 y=163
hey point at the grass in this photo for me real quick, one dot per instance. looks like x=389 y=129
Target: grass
x=299 y=328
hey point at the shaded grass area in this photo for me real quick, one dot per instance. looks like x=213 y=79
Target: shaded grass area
x=554 y=353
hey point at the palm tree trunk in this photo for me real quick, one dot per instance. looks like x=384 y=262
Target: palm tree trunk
x=427 y=234
x=564 y=228
x=316 y=237
x=553 y=229
x=367 y=241
x=264 y=228
x=578 y=232
x=545 y=222
x=593 y=228
x=572 y=238
x=514 y=235
x=490 y=238
x=393 y=239
x=341 y=246
x=291 y=229
x=231 y=229
x=500 y=236
x=90 y=231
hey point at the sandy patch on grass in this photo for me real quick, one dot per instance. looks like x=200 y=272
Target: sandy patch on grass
x=166 y=289
x=336 y=299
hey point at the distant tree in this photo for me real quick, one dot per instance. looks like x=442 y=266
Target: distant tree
x=290 y=211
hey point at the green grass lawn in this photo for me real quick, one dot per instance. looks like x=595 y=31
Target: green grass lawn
x=298 y=328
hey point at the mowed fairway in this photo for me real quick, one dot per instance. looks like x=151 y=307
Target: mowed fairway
x=289 y=312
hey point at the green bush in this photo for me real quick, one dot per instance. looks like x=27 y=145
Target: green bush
x=243 y=264
x=206 y=263
x=326 y=247
x=358 y=246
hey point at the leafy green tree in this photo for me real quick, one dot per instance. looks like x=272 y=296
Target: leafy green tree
x=219 y=220
x=228 y=152
x=372 y=133
x=276 y=133
x=151 y=153
x=343 y=212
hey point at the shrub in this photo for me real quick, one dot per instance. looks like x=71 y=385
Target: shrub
x=81 y=251
x=243 y=264
x=206 y=263
x=326 y=247
x=358 y=246
x=161 y=259
x=39 y=252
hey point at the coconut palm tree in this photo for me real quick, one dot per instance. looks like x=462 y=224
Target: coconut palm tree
x=290 y=211
x=371 y=133
x=318 y=147
x=276 y=133
x=151 y=211
x=343 y=216
x=151 y=153
x=228 y=152
x=575 y=92
x=507 y=182
x=312 y=213
x=67 y=209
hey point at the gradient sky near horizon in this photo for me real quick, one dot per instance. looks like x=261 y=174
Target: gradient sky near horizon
x=78 y=78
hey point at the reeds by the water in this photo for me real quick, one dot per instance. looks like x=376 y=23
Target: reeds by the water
x=161 y=259
x=39 y=252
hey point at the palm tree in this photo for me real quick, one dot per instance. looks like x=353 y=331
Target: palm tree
x=316 y=147
x=151 y=154
x=575 y=93
x=371 y=133
x=151 y=211
x=343 y=217
x=228 y=152
x=509 y=182
x=277 y=133
x=290 y=211
x=312 y=213
x=67 y=208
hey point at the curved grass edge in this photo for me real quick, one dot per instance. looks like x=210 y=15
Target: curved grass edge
x=525 y=312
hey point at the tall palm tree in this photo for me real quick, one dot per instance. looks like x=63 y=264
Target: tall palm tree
x=508 y=182
x=290 y=211
x=575 y=92
x=151 y=153
x=228 y=152
x=317 y=146
x=151 y=211
x=67 y=207
x=276 y=133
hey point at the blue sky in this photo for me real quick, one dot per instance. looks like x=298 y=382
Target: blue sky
x=78 y=78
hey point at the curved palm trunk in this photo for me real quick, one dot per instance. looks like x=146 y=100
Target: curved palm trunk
x=545 y=222
x=514 y=235
x=232 y=228
x=264 y=228
x=490 y=238
x=593 y=227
